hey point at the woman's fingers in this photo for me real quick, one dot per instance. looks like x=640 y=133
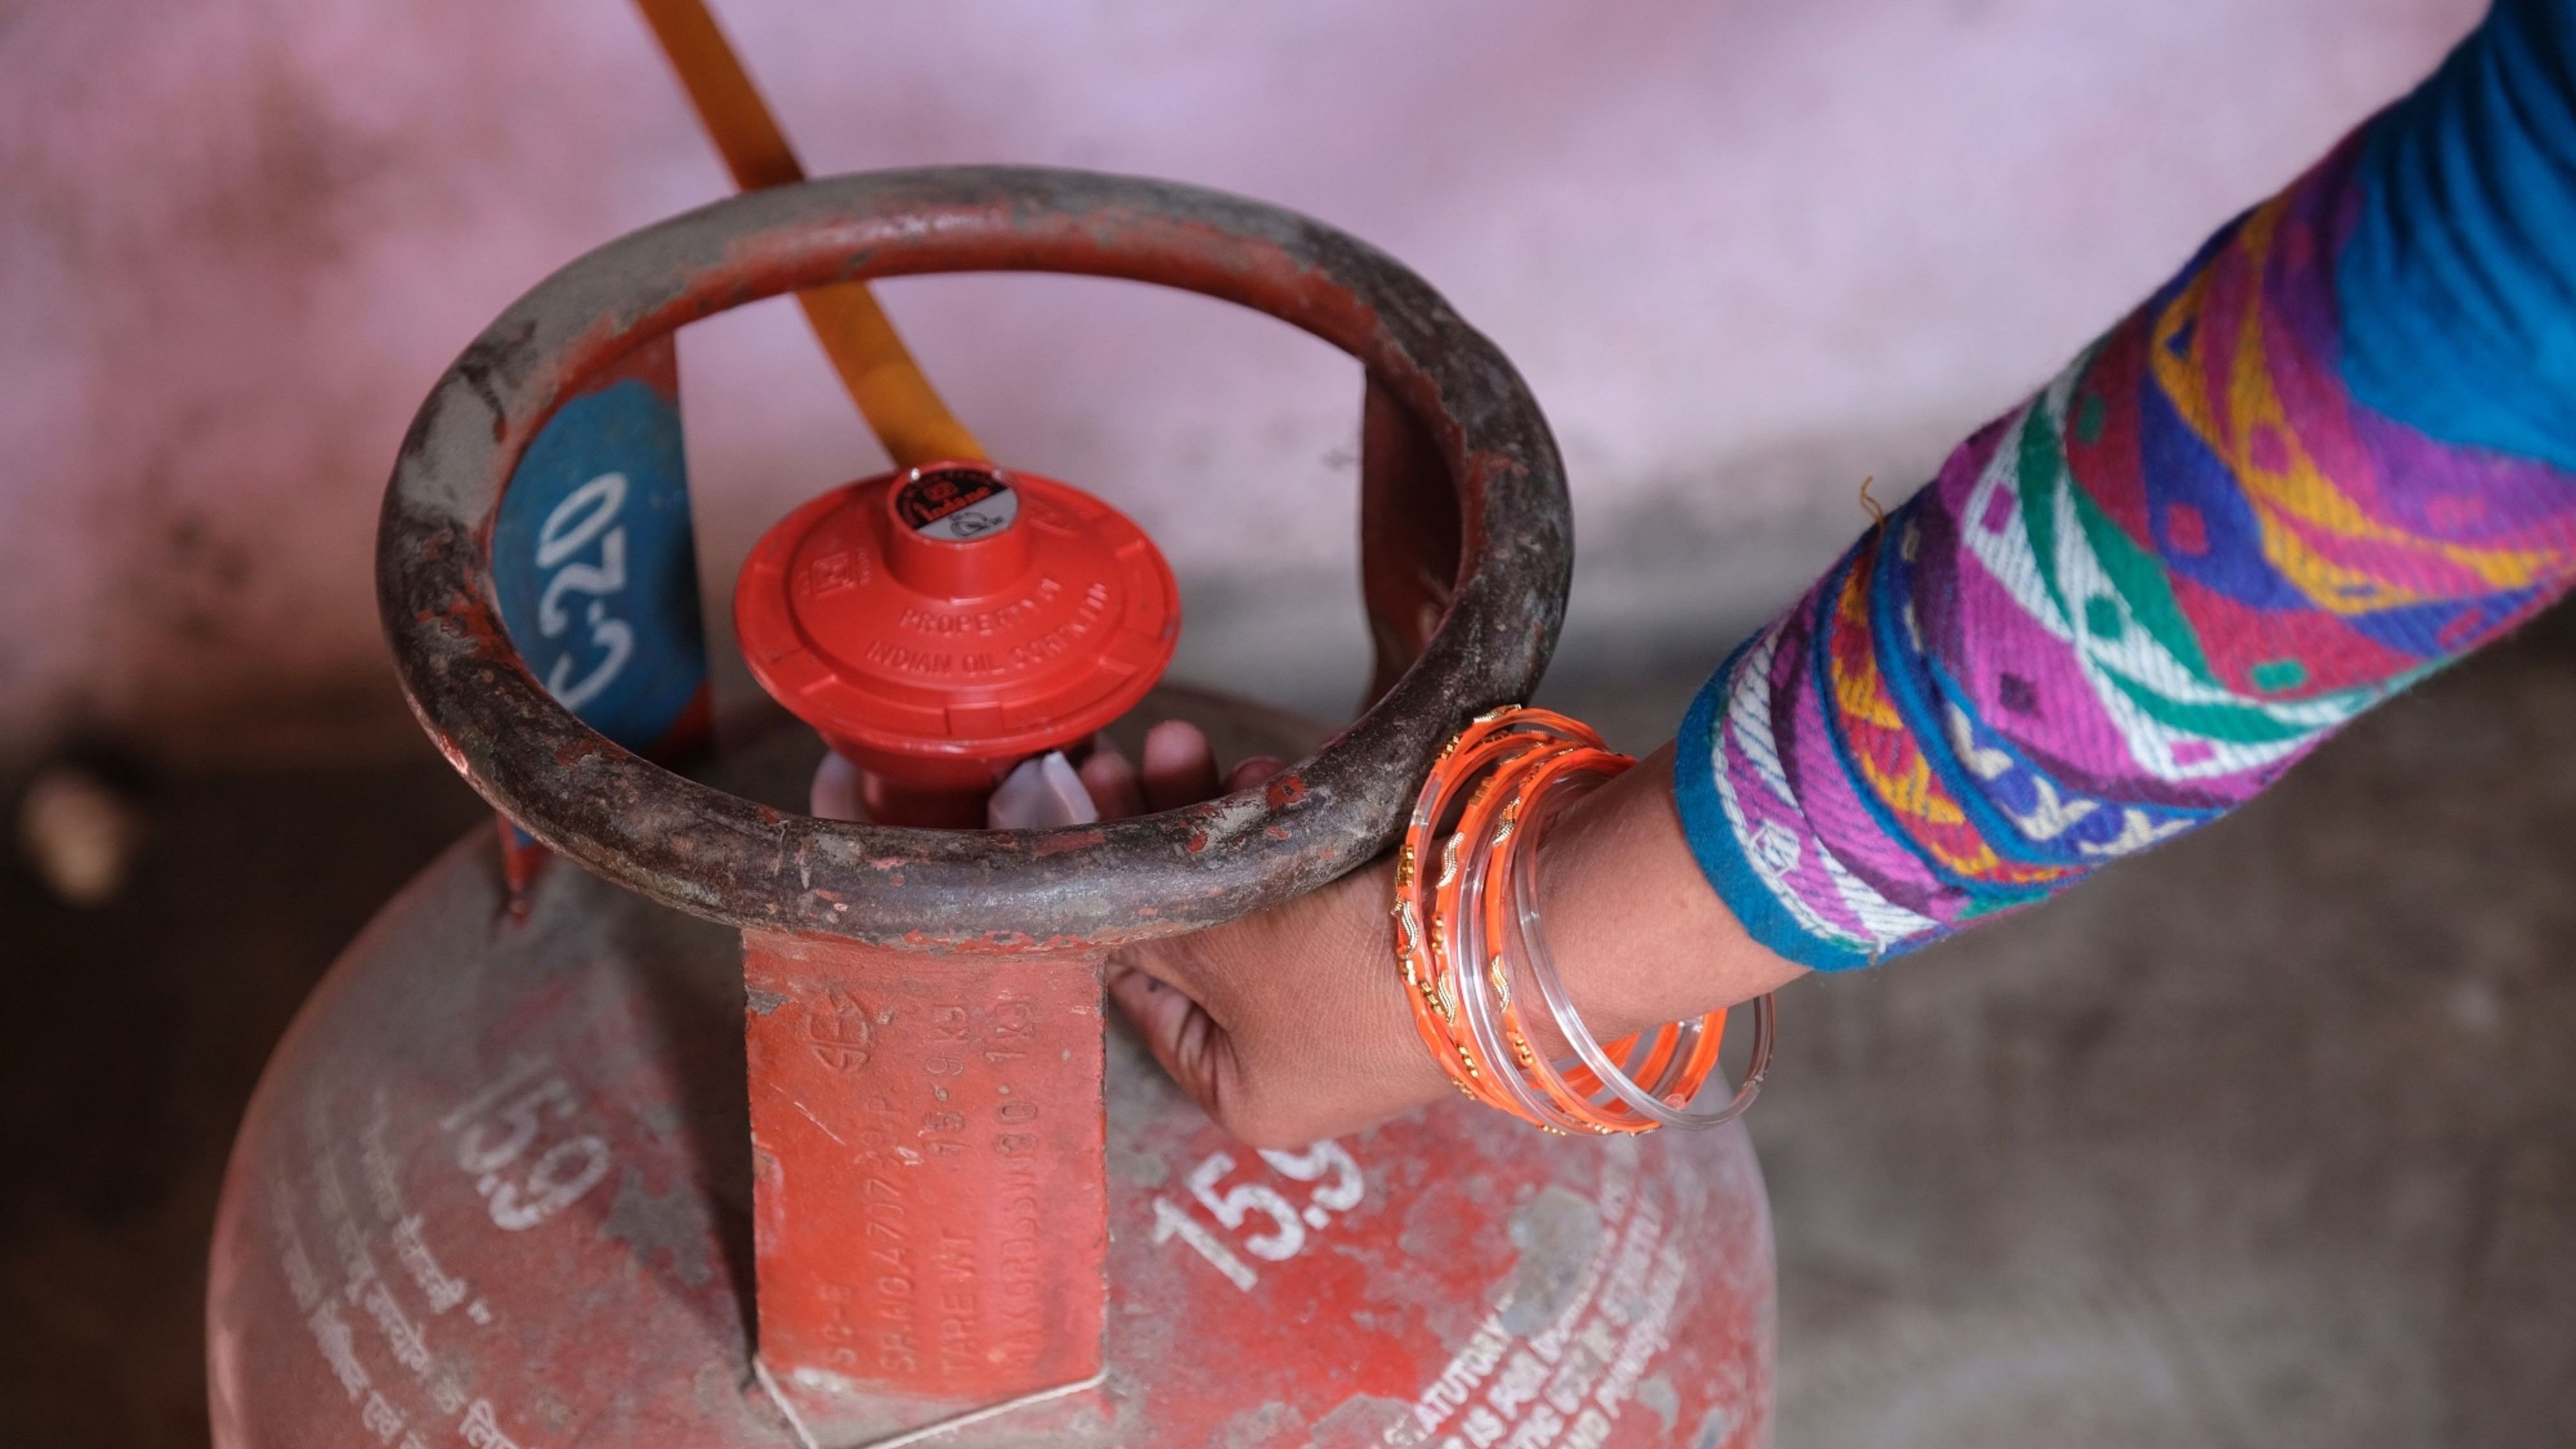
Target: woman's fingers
x=1111 y=782
x=1287 y=1026
x=836 y=793
x=1253 y=771
x=1192 y=1049
x=1180 y=768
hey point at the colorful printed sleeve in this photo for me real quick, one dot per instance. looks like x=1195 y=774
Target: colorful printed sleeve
x=2335 y=452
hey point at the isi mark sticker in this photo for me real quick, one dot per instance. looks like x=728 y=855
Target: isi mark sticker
x=956 y=503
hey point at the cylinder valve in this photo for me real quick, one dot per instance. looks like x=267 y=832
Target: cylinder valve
x=942 y=624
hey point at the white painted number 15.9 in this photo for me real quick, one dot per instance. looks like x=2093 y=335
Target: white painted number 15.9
x=1233 y=1207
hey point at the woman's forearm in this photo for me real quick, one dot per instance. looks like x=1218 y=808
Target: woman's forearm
x=2336 y=451
x=2330 y=455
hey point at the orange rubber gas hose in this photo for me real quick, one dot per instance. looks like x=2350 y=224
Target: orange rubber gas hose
x=901 y=406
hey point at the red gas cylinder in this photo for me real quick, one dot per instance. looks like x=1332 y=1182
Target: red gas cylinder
x=503 y=1183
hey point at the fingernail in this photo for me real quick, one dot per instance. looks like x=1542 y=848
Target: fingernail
x=1254 y=771
x=1174 y=744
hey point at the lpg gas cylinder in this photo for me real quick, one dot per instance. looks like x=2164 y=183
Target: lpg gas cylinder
x=767 y=1129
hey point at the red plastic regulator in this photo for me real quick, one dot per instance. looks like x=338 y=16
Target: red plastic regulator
x=939 y=625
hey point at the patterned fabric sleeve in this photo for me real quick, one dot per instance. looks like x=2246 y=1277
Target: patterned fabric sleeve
x=2336 y=451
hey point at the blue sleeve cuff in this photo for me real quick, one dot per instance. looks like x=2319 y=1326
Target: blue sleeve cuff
x=2457 y=285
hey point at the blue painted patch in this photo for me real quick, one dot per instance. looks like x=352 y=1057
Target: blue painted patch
x=597 y=568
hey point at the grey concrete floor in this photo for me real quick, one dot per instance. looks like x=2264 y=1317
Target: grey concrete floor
x=2267 y=1139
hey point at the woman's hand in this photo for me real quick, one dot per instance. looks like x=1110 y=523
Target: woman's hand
x=1291 y=1025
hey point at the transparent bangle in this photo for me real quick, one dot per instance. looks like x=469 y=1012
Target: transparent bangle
x=1650 y=1103
x=1577 y=1094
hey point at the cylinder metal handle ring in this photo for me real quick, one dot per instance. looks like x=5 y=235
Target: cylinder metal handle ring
x=725 y=858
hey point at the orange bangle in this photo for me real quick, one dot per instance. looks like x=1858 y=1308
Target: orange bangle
x=1466 y=936
x=1480 y=767
x=1420 y=932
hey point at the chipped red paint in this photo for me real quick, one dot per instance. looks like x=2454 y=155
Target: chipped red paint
x=1073 y=838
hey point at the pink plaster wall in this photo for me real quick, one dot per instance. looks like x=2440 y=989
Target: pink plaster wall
x=1746 y=250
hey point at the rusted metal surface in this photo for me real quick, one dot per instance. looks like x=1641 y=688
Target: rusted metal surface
x=1409 y=536
x=383 y=1273
x=721 y=858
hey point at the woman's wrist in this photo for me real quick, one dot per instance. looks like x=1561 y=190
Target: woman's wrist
x=1635 y=928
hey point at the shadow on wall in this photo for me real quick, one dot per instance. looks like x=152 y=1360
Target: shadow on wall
x=245 y=235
